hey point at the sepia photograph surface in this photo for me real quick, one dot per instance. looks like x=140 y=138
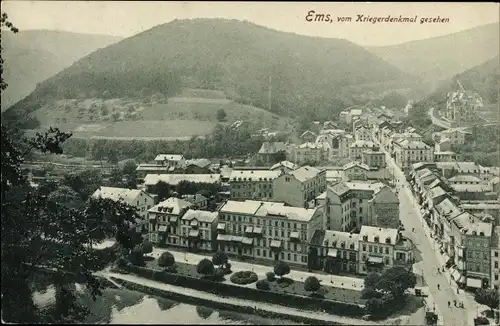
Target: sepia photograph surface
x=251 y=163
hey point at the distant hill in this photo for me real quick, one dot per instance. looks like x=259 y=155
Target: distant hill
x=313 y=76
x=33 y=56
x=442 y=57
x=483 y=79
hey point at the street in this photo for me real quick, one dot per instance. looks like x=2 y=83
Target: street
x=410 y=217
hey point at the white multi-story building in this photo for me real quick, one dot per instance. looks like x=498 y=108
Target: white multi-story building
x=347 y=205
x=252 y=184
x=164 y=221
x=298 y=187
x=363 y=133
x=381 y=248
x=267 y=230
x=309 y=153
x=170 y=160
x=358 y=147
x=199 y=229
x=139 y=199
x=457 y=136
x=408 y=152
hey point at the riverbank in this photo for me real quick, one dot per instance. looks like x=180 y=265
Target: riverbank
x=218 y=302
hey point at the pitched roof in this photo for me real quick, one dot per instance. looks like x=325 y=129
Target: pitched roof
x=447 y=207
x=242 y=207
x=116 y=194
x=382 y=233
x=195 y=198
x=362 y=143
x=385 y=196
x=310 y=145
x=437 y=192
x=471 y=188
x=305 y=173
x=168 y=157
x=271 y=209
x=200 y=216
x=286 y=164
x=202 y=162
x=171 y=205
x=254 y=175
x=308 y=132
x=355 y=164
x=337 y=239
x=272 y=147
x=174 y=179
x=464 y=178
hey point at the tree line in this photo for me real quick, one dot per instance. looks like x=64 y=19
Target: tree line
x=223 y=142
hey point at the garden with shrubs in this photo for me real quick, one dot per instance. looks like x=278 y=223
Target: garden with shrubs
x=209 y=275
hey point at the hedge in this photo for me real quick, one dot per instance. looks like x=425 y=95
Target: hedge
x=284 y=299
x=244 y=277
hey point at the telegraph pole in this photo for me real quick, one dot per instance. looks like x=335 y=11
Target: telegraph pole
x=270 y=93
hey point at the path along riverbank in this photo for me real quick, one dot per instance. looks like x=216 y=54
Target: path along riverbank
x=136 y=282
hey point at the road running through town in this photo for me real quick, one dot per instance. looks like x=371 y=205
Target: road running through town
x=411 y=219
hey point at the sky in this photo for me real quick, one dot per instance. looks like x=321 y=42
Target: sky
x=127 y=18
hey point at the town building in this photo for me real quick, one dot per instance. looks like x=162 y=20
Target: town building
x=164 y=221
x=382 y=248
x=374 y=159
x=267 y=230
x=345 y=141
x=446 y=156
x=457 y=136
x=329 y=125
x=358 y=147
x=462 y=106
x=170 y=160
x=334 y=252
x=198 y=166
x=495 y=259
x=363 y=134
x=347 y=205
x=308 y=136
x=271 y=152
x=383 y=209
x=139 y=199
x=199 y=201
x=285 y=166
x=145 y=168
x=476 y=239
x=252 y=184
x=345 y=117
x=408 y=152
x=308 y=153
x=465 y=179
x=173 y=180
x=199 y=230
x=298 y=187
x=355 y=171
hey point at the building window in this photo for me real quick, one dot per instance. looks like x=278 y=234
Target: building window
x=364 y=247
x=289 y=256
x=370 y=248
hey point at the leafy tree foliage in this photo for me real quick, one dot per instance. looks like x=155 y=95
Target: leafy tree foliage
x=64 y=195
x=281 y=269
x=312 y=284
x=147 y=247
x=166 y=259
x=263 y=285
x=84 y=182
x=205 y=267
x=162 y=189
x=221 y=115
x=488 y=297
x=4 y=22
x=219 y=258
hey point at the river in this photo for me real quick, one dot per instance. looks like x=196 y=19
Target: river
x=131 y=307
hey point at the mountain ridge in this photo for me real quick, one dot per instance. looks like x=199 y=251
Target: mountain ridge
x=32 y=56
x=229 y=55
x=437 y=58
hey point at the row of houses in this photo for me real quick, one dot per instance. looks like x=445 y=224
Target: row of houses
x=270 y=231
x=467 y=228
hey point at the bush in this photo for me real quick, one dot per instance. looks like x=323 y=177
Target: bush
x=244 y=277
x=263 y=285
x=481 y=321
x=281 y=269
x=166 y=259
x=205 y=267
x=227 y=268
x=219 y=258
x=312 y=284
x=136 y=256
x=270 y=276
x=147 y=247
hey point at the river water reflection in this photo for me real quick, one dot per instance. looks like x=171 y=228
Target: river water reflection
x=131 y=307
